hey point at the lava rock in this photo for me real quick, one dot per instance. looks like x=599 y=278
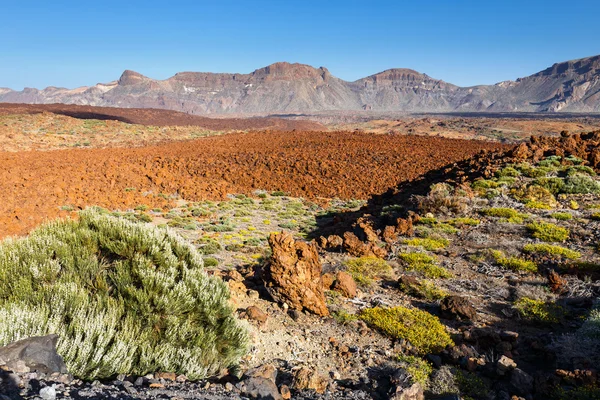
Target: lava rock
x=36 y=353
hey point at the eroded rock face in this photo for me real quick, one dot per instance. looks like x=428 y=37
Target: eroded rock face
x=293 y=275
x=35 y=353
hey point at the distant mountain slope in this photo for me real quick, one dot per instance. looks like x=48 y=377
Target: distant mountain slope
x=283 y=87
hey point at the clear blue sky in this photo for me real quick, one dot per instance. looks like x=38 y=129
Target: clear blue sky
x=76 y=43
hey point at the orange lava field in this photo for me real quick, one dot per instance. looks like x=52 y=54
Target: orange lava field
x=36 y=186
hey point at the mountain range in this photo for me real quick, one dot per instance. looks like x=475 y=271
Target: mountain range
x=572 y=86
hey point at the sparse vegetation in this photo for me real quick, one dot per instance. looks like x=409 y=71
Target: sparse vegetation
x=365 y=270
x=513 y=263
x=511 y=215
x=551 y=250
x=423 y=330
x=538 y=310
x=418 y=369
x=428 y=243
x=423 y=263
x=548 y=232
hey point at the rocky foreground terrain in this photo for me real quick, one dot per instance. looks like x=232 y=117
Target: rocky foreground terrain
x=283 y=88
x=463 y=276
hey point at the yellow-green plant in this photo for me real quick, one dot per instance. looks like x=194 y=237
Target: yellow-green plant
x=428 y=243
x=514 y=263
x=123 y=297
x=418 y=369
x=365 y=270
x=538 y=310
x=548 y=232
x=551 y=250
x=511 y=215
x=423 y=330
x=424 y=264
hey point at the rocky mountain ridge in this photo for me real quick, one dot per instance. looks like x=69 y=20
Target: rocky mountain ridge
x=572 y=86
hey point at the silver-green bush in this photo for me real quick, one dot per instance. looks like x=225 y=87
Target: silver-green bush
x=124 y=297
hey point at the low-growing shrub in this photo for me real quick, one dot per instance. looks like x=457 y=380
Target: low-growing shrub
x=581 y=184
x=123 y=297
x=538 y=205
x=562 y=216
x=513 y=263
x=423 y=330
x=554 y=185
x=507 y=171
x=343 y=317
x=428 y=243
x=210 y=262
x=548 y=232
x=423 y=263
x=538 y=310
x=424 y=289
x=509 y=214
x=534 y=194
x=551 y=250
x=365 y=270
x=418 y=369
x=464 y=221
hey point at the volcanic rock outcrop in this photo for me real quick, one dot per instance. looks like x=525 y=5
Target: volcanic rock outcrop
x=293 y=275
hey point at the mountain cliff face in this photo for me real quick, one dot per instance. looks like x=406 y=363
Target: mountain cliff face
x=282 y=87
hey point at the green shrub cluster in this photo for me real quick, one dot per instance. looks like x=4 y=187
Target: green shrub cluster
x=424 y=289
x=418 y=369
x=123 y=297
x=548 y=232
x=551 y=250
x=424 y=264
x=428 y=243
x=365 y=270
x=513 y=263
x=423 y=330
x=562 y=216
x=510 y=214
x=538 y=310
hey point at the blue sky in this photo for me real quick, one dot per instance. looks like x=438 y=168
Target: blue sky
x=76 y=43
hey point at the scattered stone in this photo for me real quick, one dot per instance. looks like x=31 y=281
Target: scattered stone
x=261 y=388
x=234 y=275
x=344 y=284
x=169 y=376
x=328 y=280
x=505 y=365
x=293 y=274
x=457 y=307
x=306 y=378
x=521 y=382
x=405 y=390
x=285 y=392
x=156 y=385
x=256 y=314
x=267 y=371
x=252 y=294
x=48 y=393
x=35 y=353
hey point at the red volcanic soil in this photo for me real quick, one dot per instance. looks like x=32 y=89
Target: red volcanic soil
x=156 y=117
x=35 y=184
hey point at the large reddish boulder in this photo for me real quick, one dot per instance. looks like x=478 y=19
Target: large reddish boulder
x=293 y=274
